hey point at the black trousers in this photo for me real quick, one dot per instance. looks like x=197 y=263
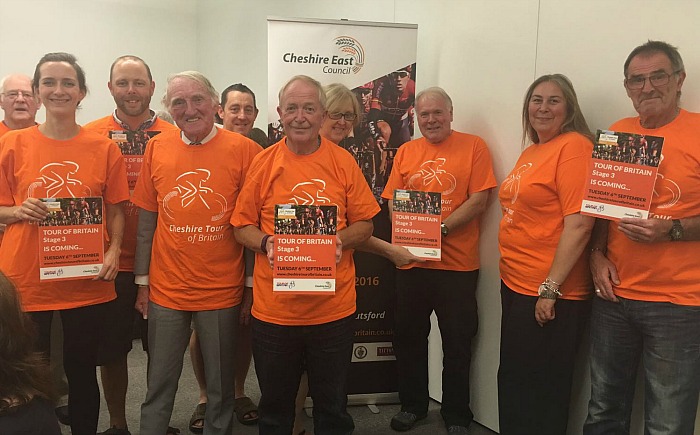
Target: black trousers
x=451 y=294
x=537 y=364
x=81 y=332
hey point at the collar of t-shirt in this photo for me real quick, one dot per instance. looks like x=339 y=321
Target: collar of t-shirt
x=145 y=125
x=209 y=137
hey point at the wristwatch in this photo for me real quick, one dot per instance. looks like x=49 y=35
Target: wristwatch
x=676 y=232
x=444 y=230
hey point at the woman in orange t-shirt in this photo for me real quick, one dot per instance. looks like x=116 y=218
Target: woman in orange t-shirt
x=542 y=239
x=60 y=159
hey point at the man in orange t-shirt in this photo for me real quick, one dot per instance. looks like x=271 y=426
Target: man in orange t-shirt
x=186 y=191
x=131 y=125
x=647 y=271
x=458 y=166
x=290 y=330
x=20 y=105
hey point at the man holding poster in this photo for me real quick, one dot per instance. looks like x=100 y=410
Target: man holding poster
x=646 y=270
x=457 y=165
x=314 y=329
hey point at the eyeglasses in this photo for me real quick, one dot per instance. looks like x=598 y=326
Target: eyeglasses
x=337 y=115
x=400 y=74
x=656 y=79
x=13 y=95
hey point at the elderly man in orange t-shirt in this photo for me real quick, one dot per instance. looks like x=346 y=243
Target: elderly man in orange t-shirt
x=291 y=331
x=20 y=105
x=647 y=271
x=457 y=165
x=186 y=191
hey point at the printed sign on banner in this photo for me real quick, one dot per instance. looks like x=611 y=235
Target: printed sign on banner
x=71 y=239
x=622 y=174
x=305 y=243
x=416 y=218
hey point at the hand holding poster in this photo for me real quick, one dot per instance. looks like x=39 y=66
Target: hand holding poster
x=416 y=219
x=622 y=174
x=305 y=244
x=71 y=239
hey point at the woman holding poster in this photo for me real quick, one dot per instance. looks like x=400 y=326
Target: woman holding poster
x=60 y=160
x=542 y=239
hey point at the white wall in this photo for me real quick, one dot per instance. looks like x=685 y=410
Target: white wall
x=483 y=52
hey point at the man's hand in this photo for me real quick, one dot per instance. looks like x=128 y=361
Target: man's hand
x=270 y=246
x=142 y=301
x=401 y=256
x=604 y=276
x=338 y=249
x=645 y=230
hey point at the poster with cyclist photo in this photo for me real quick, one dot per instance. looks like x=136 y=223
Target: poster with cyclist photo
x=416 y=217
x=622 y=173
x=71 y=239
x=305 y=242
x=132 y=145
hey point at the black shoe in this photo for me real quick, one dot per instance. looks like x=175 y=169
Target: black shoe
x=404 y=421
x=456 y=429
x=62 y=415
x=115 y=431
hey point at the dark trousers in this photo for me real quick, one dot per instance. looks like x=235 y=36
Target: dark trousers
x=451 y=294
x=81 y=332
x=279 y=352
x=537 y=364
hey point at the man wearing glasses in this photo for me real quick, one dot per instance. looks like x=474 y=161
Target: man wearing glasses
x=18 y=102
x=20 y=106
x=646 y=271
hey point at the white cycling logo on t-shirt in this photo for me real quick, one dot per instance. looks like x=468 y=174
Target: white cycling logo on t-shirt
x=512 y=183
x=430 y=172
x=58 y=181
x=191 y=190
x=664 y=186
x=309 y=193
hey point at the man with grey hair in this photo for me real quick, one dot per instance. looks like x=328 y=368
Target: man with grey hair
x=295 y=330
x=18 y=102
x=646 y=271
x=186 y=192
x=457 y=165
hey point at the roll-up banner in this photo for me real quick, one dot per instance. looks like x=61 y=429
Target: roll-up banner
x=377 y=61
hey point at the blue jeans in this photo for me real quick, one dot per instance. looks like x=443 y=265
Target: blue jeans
x=667 y=338
x=280 y=351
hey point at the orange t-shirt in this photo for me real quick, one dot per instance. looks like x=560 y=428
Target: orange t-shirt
x=664 y=271
x=329 y=176
x=105 y=126
x=457 y=167
x=3 y=129
x=196 y=264
x=546 y=185
x=94 y=166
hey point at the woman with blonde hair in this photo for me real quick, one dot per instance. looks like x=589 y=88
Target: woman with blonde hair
x=542 y=240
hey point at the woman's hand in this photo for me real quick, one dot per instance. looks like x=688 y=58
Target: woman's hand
x=544 y=310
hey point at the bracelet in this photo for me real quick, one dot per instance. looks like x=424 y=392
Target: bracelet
x=548 y=291
x=550 y=281
x=263 y=243
x=601 y=250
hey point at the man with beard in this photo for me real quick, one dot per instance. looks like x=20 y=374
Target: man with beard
x=130 y=125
